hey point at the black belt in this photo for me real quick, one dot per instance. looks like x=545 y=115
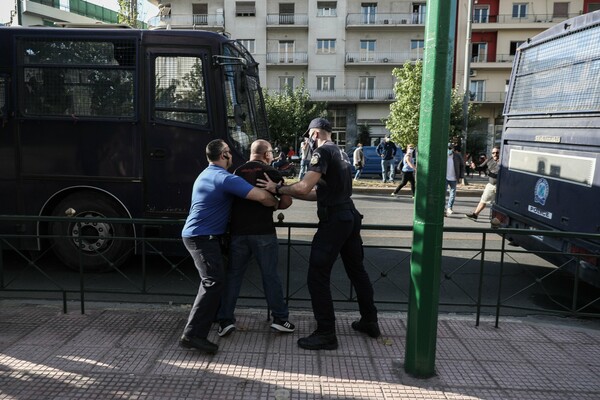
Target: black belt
x=323 y=212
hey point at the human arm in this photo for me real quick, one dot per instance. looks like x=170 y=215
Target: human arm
x=304 y=190
x=285 y=201
x=262 y=196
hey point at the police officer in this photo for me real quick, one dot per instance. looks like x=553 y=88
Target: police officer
x=329 y=183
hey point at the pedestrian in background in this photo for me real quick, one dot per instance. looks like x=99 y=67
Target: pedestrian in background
x=358 y=159
x=253 y=234
x=455 y=172
x=490 y=166
x=212 y=195
x=387 y=151
x=329 y=182
x=305 y=153
x=408 y=171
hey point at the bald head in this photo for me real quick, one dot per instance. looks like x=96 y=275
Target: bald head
x=261 y=150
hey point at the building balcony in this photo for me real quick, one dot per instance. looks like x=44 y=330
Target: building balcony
x=381 y=58
x=287 y=21
x=488 y=97
x=348 y=95
x=287 y=59
x=381 y=20
x=188 y=21
x=506 y=20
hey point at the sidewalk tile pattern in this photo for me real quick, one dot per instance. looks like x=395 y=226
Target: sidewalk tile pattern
x=132 y=352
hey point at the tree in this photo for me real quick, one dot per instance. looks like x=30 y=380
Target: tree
x=128 y=13
x=364 y=134
x=403 y=121
x=290 y=112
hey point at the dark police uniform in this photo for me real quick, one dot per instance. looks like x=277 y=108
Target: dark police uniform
x=338 y=233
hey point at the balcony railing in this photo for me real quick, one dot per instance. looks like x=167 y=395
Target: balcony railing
x=287 y=20
x=287 y=58
x=383 y=57
x=352 y=94
x=490 y=58
x=526 y=19
x=394 y=19
x=199 y=21
x=488 y=97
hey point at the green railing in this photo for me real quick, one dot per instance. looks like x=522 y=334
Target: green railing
x=480 y=274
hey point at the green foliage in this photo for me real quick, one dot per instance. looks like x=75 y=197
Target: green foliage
x=403 y=121
x=364 y=134
x=290 y=112
x=128 y=12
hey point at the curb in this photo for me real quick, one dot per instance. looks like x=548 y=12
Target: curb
x=405 y=191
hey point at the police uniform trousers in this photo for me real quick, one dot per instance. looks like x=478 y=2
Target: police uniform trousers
x=338 y=233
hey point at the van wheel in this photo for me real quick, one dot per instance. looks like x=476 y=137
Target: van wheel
x=100 y=251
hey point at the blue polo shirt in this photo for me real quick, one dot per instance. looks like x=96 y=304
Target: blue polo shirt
x=212 y=195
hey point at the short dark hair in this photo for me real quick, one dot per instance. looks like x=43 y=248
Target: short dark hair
x=214 y=149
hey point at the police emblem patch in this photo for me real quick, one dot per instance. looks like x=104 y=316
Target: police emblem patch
x=541 y=191
x=315 y=159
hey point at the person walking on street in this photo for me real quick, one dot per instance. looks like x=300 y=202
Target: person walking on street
x=212 y=195
x=358 y=160
x=305 y=153
x=490 y=166
x=387 y=151
x=329 y=182
x=455 y=172
x=408 y=171
x=253 y=234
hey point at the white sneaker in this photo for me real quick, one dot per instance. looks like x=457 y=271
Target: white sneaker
x=394 y=194
x=449 y=211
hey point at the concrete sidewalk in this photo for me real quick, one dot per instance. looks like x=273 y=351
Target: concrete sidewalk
x=132 y=352
x=474 y=187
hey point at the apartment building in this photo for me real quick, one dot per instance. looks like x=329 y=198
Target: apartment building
x=344 y=51
x=50 y=12
x=486 y=52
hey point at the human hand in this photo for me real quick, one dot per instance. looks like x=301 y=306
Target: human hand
x=266 y=183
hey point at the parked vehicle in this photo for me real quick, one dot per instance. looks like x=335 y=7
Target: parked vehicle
x=373 y=160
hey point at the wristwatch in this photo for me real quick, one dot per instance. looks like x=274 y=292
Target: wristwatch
x=277 y=187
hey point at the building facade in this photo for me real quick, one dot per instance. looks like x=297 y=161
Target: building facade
x=51 y=12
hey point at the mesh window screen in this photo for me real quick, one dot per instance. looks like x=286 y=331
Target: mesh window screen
x=78 y=78
x=180 y=94
x=559 y=76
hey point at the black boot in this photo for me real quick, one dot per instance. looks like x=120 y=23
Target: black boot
x=319 y=341
x=199 y=343
x=370 y=328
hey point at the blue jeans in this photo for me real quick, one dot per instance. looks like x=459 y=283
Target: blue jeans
x=303 y=168
x=358 y=172
x=265 y=249
x=387 y=170
x=207 y=257
x=452 y=194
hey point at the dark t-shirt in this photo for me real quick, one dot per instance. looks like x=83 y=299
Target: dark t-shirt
x=335 y=185
x=250 y=217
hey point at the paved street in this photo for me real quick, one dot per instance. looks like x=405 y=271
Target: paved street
x=131 y=352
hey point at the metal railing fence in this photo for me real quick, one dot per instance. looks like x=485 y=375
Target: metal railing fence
x=479 y=273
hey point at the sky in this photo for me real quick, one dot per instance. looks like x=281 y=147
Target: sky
x=147 y=10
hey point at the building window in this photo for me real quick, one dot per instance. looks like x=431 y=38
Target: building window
x=417 y=46
x=326 y=9
x=286 y=51
x=366 y=87
x=477 y=90
x=479 y=52
x=519 y=10
x=593 y=7
x=561 y=10
x=200 y=13
x=325 y=46
x=286 y=14
x=481 y=14
x=369 y=12
x=245 y=9
x=286 y=83
x=514 y=45
x=419 y=13
x=367 y=50
x=325 y=83
x=249 y=44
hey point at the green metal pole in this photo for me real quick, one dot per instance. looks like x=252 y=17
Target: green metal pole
x=434 y=123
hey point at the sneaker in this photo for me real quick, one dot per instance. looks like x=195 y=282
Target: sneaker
x=282 y=326
x=319 y=341
x=394 y=194
x=370 y=328
x=472 y=216
x=225 y=328
x=449 y=211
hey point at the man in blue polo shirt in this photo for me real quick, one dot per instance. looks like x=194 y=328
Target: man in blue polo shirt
x=212 y=196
